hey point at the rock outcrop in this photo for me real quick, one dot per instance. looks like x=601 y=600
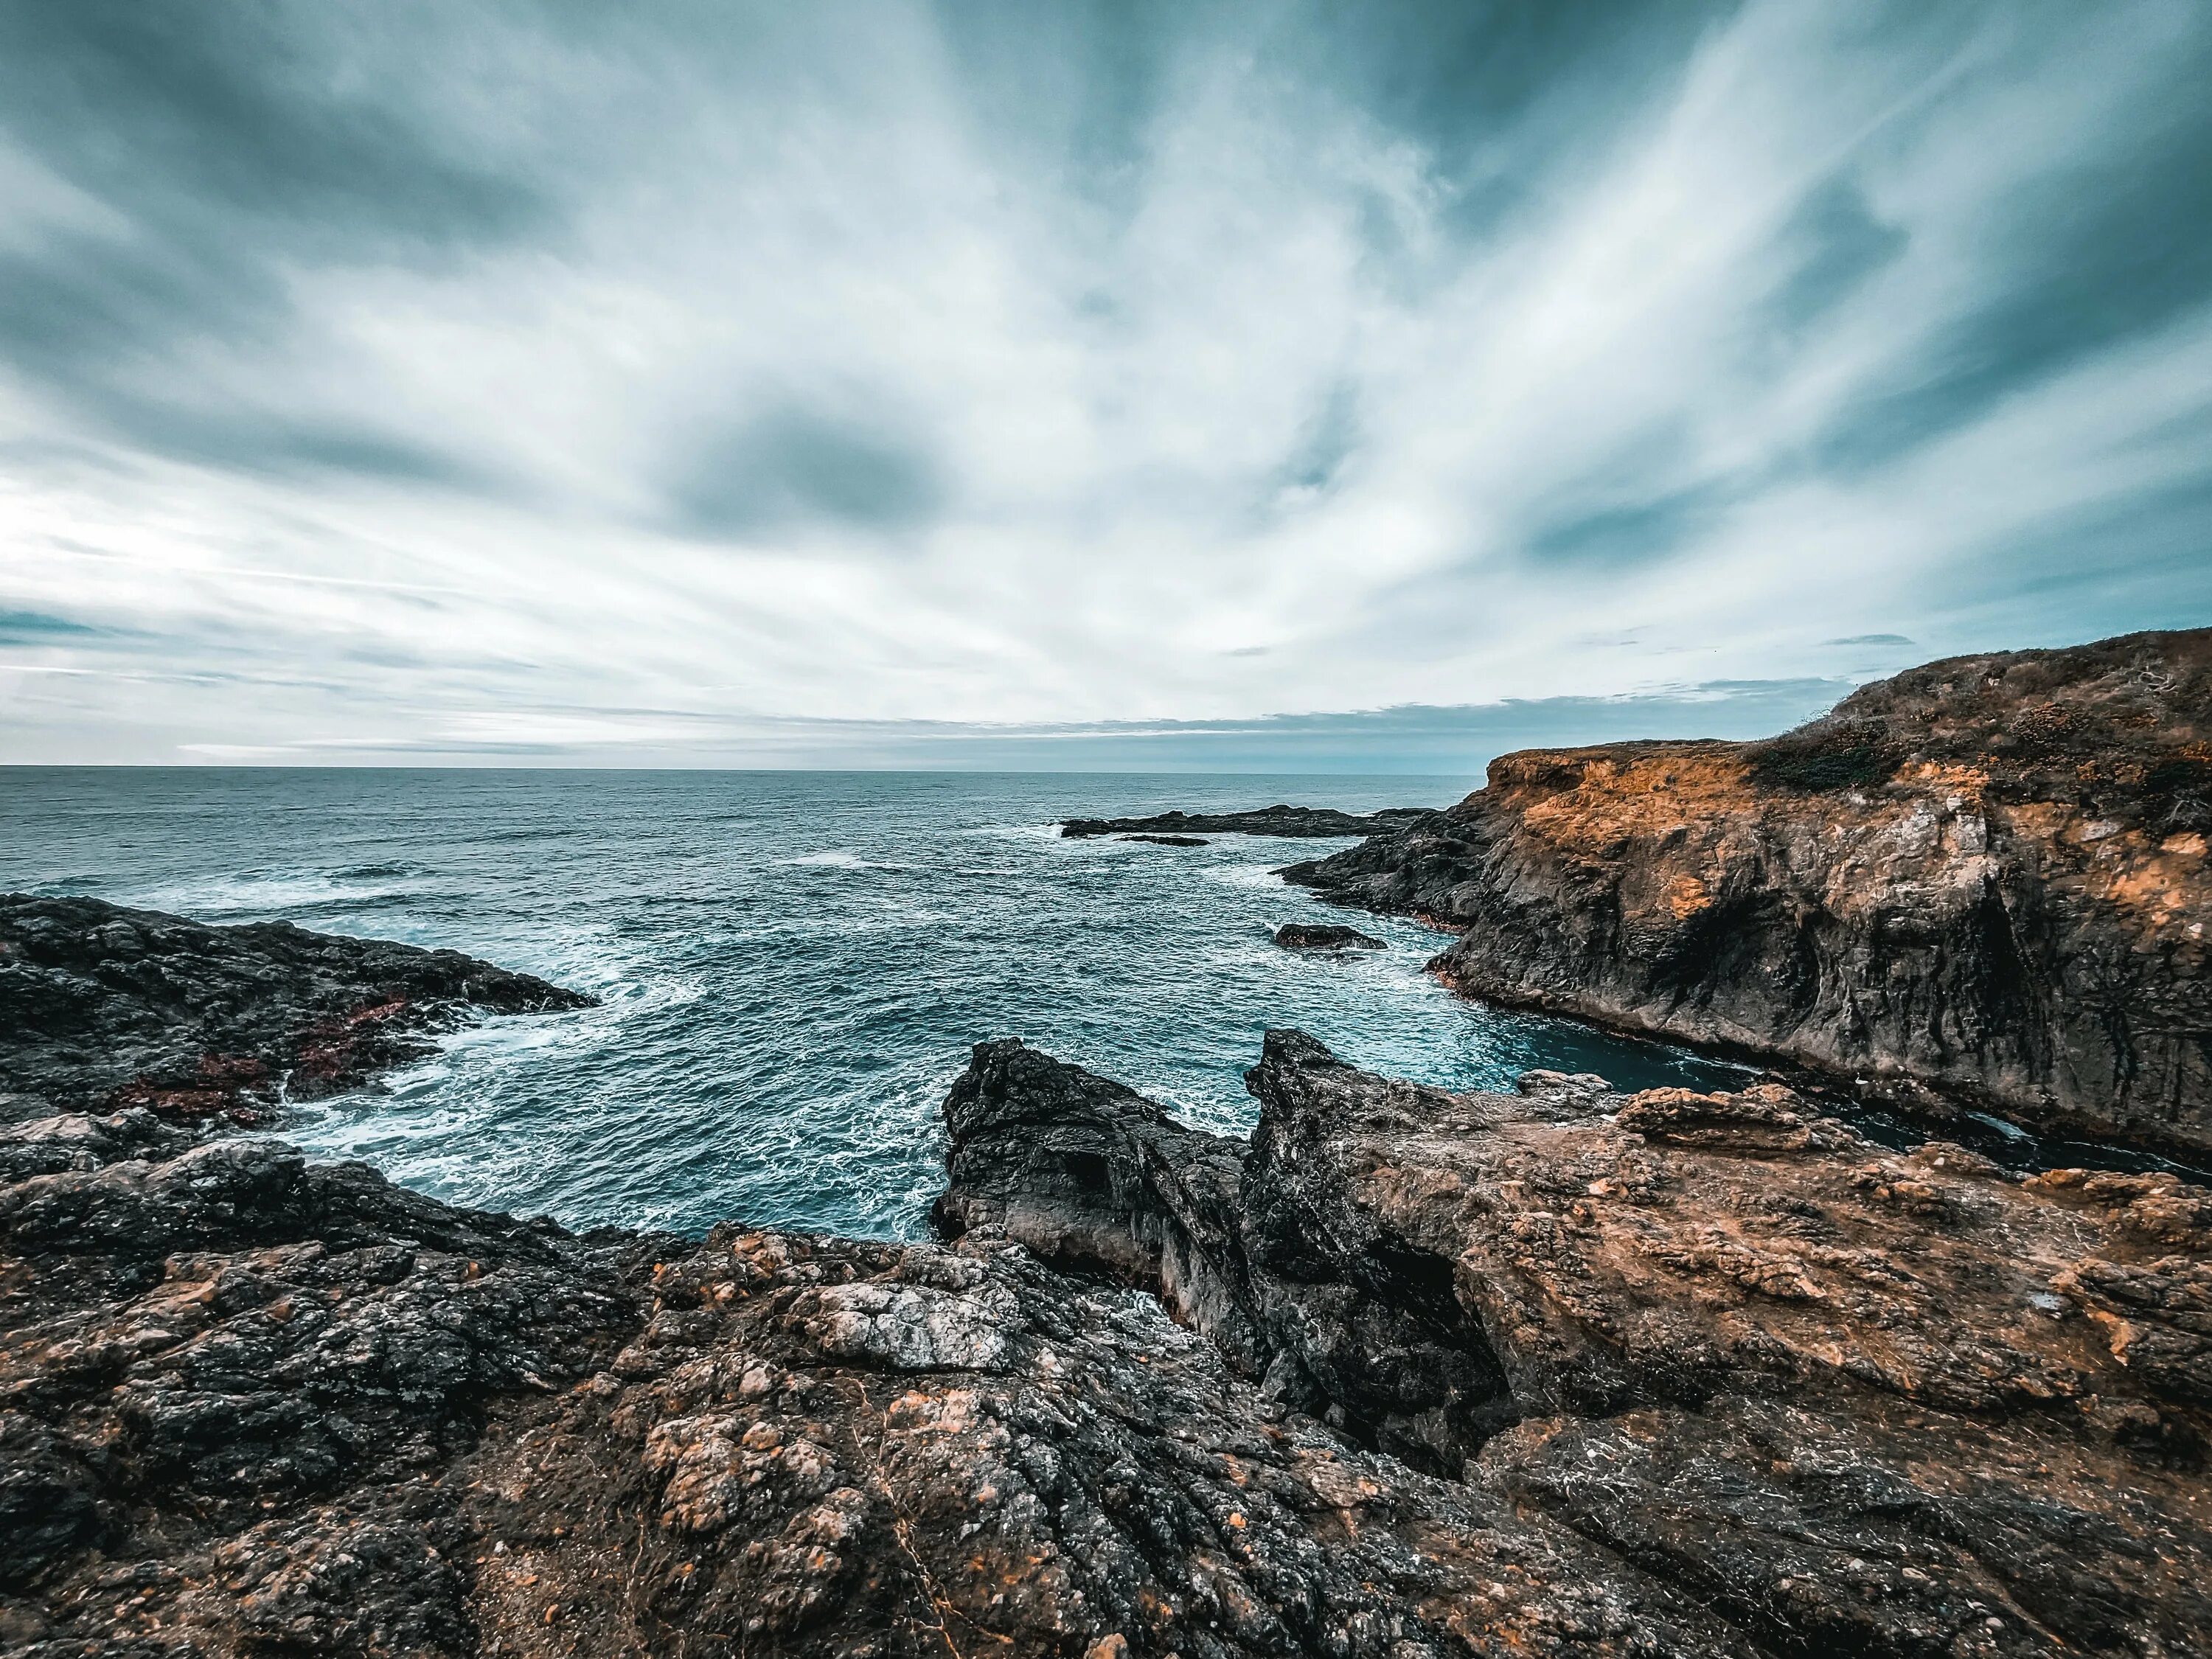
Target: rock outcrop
x=1985 y=880
x=251 y=1405
x=1324 y=936
x=1298 y=823
x=1848 y=1402
x=102 y=1007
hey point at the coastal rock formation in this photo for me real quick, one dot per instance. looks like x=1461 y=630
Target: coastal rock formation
x=102 y=1007
x=1304 y=822
x=250 y=1405
x=1167 y=841
x=1986 y=878
x=1324 y=936
x=1846 y=1400
x=1563 y=1373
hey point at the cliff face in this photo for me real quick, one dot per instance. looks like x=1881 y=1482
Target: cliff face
x=1987 y=877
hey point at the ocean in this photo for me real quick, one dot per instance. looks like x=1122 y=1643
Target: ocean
x=792 y=966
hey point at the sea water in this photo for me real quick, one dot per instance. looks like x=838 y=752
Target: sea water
x=791 y=967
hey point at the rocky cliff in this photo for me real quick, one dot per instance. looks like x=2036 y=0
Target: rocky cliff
x=1986 y=878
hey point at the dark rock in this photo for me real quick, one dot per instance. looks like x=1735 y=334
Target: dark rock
x=255 y=1405
x=1167 y=841
x=1851 y=1401
x=103 y=1008
x=1324 y=936
x=1307 y=822
x=1984 y=881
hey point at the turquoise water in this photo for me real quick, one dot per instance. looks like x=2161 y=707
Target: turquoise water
x=793 y=965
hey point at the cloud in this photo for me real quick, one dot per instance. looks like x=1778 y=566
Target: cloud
x=1075 y=368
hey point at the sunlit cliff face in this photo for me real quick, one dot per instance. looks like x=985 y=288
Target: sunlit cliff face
x=709 y=383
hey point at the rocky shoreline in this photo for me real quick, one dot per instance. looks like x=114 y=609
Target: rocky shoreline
x=1562 y=1372
x=103 y=1007
x=1983 y=883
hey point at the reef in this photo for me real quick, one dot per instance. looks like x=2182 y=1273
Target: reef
x=102 y=1008
x=1983 y=883
x=1303 y=823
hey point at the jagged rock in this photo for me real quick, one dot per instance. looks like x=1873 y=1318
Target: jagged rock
x=1304 y=822
x=1986 y=878
x=1324 y=936
x=1854 y=1401
x=252 y=1405
x=1167 y=841
x=102 y=1007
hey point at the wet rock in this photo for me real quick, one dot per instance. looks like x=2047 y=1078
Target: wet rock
x=1309 y=823
x=1324 y=936
x=103 y=1008
x=1985 y=881
x=1167 y=841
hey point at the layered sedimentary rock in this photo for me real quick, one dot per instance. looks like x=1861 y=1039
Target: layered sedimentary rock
x=1986 y=878
x=1297 y=823
x=1845 y=1401
x=103 y=1007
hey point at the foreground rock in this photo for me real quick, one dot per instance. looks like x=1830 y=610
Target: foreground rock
x=1307 y=822
x=1842 y=1400
x=1987 y=877
x=1324 y=936
x=103 y=1007
x=254 y=1406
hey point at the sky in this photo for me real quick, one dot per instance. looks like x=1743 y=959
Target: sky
x=1290 y=387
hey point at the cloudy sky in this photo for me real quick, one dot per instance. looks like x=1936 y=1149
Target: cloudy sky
x=1353 y=385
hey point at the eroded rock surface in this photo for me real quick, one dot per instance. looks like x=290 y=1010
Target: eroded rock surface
x=1850 y=1401
x=1985 y=880
x=250 y=1404
x=103 y=1007
x=1302 y=822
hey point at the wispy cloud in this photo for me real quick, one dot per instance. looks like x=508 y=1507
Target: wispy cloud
x=391 y=373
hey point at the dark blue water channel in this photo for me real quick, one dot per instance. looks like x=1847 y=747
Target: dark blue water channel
x=791 y=965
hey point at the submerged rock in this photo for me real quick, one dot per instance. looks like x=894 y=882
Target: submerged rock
x=1309 y=823
x=1986 y=880
x=102 y=1007
x=1324 y=936
x=1167 y=841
